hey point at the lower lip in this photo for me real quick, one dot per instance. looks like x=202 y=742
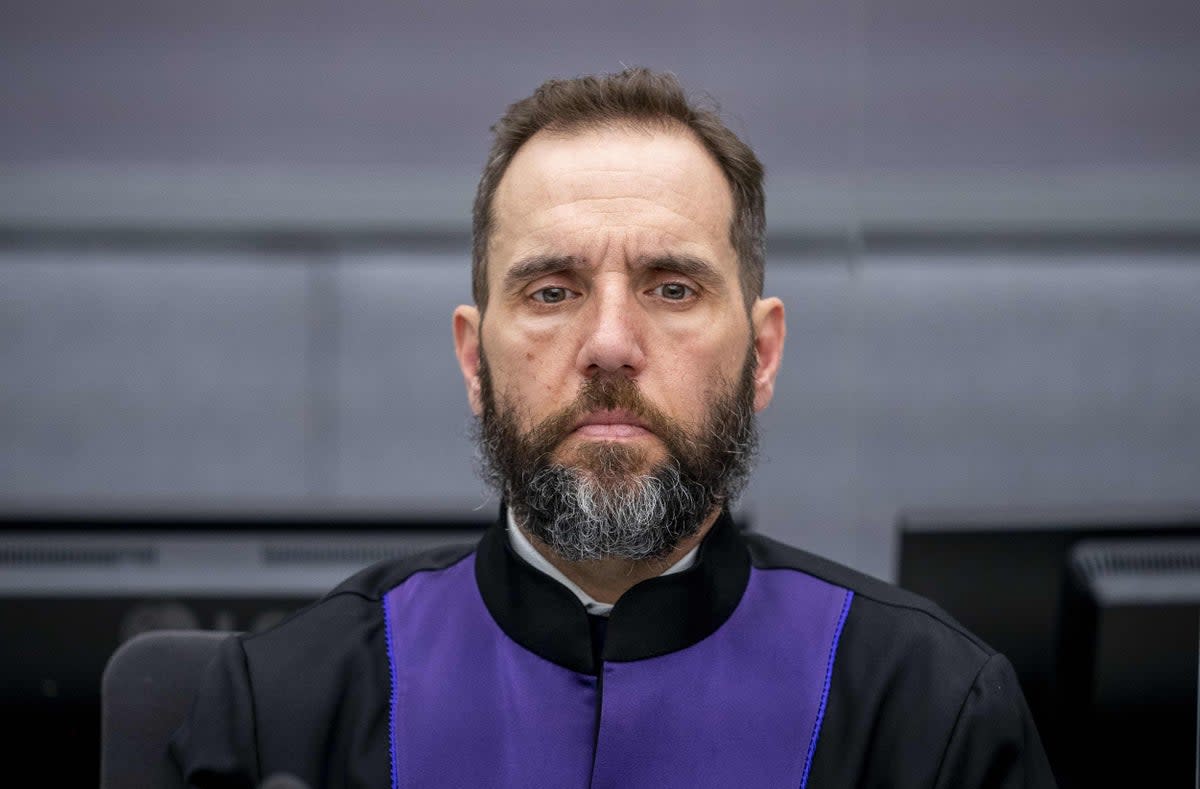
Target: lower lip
x=611 y=431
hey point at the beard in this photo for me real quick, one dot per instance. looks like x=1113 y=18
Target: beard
x=608 y=501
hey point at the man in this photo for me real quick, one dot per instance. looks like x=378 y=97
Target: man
x=615 y=629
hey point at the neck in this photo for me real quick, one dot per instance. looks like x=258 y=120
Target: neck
x=607 y=579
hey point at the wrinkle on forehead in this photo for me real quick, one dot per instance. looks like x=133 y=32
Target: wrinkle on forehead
x=640 y=180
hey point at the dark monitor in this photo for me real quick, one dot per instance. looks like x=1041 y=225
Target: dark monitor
x=1127 y=663
x=72 y=589
x=1002 y=574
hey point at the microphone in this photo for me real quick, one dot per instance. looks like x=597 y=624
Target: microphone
x=283 y=781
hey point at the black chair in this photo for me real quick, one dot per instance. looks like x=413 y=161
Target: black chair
x=146 y=692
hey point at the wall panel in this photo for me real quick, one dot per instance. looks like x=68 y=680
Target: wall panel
x=144 y=379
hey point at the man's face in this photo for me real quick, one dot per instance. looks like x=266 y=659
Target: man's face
x=616 y=326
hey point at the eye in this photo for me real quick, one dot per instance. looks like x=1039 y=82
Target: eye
x=674 y=291
x=552 y=295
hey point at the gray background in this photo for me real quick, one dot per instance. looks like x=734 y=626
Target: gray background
x=231 y=236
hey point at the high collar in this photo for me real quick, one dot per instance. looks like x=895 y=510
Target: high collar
x=659 y=615
x=524 y=548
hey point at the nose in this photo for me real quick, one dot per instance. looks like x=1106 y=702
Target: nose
x=613 y=340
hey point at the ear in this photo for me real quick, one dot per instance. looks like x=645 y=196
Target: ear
x=770 y=329
x=466 y=348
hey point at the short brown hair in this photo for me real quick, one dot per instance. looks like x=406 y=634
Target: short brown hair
x=639 y=96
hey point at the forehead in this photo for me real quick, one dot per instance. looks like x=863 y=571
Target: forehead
x=648 y=190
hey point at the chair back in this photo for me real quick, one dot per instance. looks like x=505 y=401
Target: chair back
x=146 y=692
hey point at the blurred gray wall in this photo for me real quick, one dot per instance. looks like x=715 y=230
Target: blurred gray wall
x=231 y=236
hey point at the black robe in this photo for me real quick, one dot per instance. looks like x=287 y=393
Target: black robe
x=761 y=665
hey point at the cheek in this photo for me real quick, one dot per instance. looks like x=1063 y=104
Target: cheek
x=713 y=342
x=531 y=372
x=686 y=378
x=700 y=365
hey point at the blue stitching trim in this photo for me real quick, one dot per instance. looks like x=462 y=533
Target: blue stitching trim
x=391 y=653
x=837 y=635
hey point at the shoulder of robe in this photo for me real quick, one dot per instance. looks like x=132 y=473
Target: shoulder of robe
x=353 y=605
x=306 y=696
x=375 y=581
x=886 y=605
x=904 y=682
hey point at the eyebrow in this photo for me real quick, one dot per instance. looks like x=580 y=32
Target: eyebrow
x=539 y=266
x=687 y=265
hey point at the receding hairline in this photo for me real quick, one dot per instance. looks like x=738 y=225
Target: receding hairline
x=650 y=125
x=638 y=98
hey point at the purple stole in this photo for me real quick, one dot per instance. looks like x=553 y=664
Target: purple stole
x=741 y=708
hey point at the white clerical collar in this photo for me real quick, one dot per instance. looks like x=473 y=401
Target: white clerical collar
x=524 y=548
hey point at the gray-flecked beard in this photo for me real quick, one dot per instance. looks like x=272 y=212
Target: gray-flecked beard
x=602 y=506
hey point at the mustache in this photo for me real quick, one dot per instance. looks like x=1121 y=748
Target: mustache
x=606 y=393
